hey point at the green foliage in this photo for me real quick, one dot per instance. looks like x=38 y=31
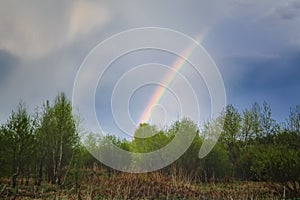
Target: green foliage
x=105 y=150
x=58 y=137
x=189 y=162
x=217 y=163
x=245 y=162
x=147 y=139
x=293 y=122
x=252 y=146
x=280 y=164
x=17 y=143
x=268 y=124
x=187 y=130
x=256 y=122
x=230 y=133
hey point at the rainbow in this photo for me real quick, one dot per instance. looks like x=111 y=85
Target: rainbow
x=160 y=91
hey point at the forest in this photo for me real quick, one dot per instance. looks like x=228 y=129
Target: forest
x=43 y=157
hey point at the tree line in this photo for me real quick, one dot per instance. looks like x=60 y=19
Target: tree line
x=252 y=146
x=39 y=146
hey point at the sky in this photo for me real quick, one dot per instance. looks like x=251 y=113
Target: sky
x=255 y=45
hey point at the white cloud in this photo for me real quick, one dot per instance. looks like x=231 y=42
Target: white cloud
x=86 y=16
x=33 y=30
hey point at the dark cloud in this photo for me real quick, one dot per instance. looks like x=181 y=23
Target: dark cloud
x=271 y=79
x=249 y=41
x=288 y=11
x=8 y=63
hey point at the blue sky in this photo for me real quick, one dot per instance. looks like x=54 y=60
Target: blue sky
x=255 y=44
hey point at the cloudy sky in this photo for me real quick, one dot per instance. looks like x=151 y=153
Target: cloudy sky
x=255 y=44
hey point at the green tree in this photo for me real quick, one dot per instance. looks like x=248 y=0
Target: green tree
x=2 y=151
x=247 y=134
x=276 y=163
x=189 y=163
x=268 y=124
x=230 y=133
x=18 y=140
x=58 y=134
x=217 y=164
x=147 y=138
x=107 y=148
x=92 y=144
x=293 y=122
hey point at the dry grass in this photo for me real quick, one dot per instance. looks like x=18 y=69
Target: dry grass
x=154 y=185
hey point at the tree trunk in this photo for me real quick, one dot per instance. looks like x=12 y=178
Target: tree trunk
x=14 y=178
x=40 y=174
x=68 y=169
x=59 y=164
x=53 y=178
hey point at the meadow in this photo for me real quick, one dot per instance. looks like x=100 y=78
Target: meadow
x=156 y=185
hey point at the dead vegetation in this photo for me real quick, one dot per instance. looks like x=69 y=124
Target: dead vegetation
x=156 y=185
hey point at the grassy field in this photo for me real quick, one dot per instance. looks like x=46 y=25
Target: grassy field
x=155 y=185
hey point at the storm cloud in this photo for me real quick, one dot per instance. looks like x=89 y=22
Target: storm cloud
x=255 y=44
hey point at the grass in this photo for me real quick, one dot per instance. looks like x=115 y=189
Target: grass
x=156 y=185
